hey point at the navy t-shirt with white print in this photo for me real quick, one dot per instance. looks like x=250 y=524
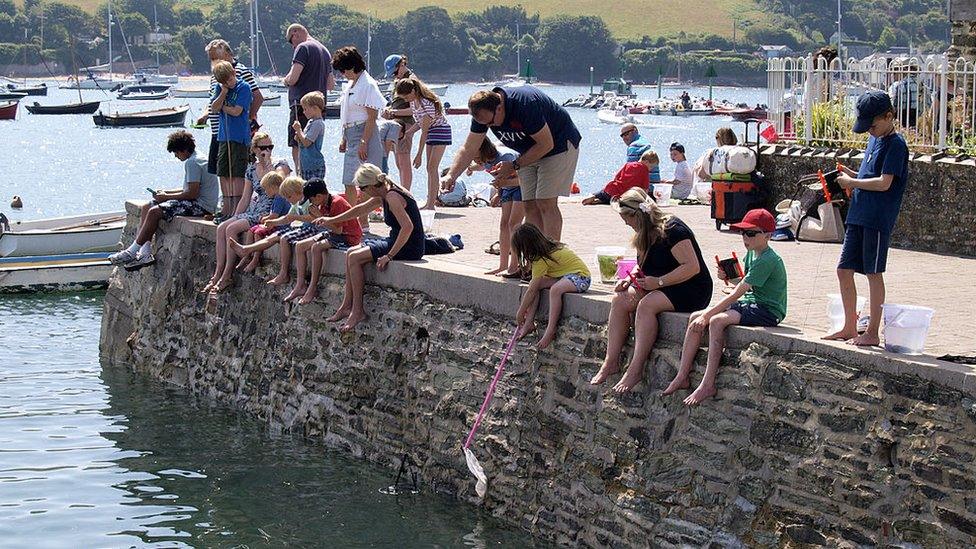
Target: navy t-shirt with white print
x=527 y=110
x=879 y=209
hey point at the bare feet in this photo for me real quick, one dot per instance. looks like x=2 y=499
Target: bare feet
x=525 y=330
x=222 y=285
x=245 y=260
x=295 y=292
x=841 y=335
x=495 y=271
x=701 y=394
x=865 y=340
x=606 y=371
x=253 y=265
x=209 y=286
x=677 y=384
x=341 y=314
x=546 y=339
x=236 y=246
x=309 y=296
x=282 y=278
x=631 y=378
x=352 y=321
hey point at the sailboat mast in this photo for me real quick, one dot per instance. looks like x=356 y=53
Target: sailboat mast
x=250 y=13
x=109 y=40
x=156 y=25
x=257 y=37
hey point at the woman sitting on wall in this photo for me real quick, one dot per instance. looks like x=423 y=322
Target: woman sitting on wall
x=406 y=240
x=671 y=277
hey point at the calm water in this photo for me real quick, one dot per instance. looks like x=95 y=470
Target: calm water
x=94 y=456
x=64 y=164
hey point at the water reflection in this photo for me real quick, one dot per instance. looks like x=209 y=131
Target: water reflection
x=95 y=456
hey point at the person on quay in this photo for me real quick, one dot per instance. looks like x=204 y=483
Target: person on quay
x=231 y=100
x=684 y=180
x=400 y=109
x=435 y=131
x=637 y=145
x=359 y=105
x=219 y=50
x=311 y=70
x=405 y=242
x=672 y=276
x=528 y=121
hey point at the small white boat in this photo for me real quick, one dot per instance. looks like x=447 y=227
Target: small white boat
x=144 y=92
x=190 y=92
x=93 y=83
x=272 y=100
x=150 y=75
x=55 y=273
x=62 y=235
x=613 y=116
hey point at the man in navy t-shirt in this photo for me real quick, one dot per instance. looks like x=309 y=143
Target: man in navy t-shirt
x=311 y=70
x=875 y=201
x=541 y=131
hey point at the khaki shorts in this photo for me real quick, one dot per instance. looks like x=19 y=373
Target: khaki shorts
x=550 y=177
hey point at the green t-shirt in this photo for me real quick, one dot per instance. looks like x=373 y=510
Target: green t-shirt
x=767 y=276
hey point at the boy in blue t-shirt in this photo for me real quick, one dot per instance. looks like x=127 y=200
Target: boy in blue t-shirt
x=232 y=101
x=876 y=199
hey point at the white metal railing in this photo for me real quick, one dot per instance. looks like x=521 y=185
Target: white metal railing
x=812 y=102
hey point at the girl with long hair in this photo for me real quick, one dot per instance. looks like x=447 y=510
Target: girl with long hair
x=435 y=131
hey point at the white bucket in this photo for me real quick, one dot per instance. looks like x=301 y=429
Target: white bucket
x=662 y=194
x=427 y=219
x=703 y=192
x=835 y=311
x=606 y=262
x=905 y=328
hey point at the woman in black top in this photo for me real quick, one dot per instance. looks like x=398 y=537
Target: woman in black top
x=672 y=277
x=406 y=240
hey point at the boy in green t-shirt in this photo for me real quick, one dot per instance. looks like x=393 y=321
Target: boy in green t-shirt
x=758 y=300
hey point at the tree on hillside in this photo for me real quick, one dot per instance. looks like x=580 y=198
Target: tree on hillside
x=194 y=40
x=428 y=36
x=164 y=10
x=569 y=46
x=187 y=16
x=7 y=7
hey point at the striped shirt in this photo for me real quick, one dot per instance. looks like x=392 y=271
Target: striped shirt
x=440 y=130
x=242 y=73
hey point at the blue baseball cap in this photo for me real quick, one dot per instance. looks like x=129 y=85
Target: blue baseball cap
x=391 y=63
x=869 y=106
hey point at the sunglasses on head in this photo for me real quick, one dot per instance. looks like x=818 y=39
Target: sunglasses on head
x=751 y=232
x=265 y=147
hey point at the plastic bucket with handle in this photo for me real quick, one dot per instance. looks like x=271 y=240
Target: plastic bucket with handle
x=905 y=327
x=662 y=194
x=427 y=218
x=606 y=262
x=835 y=311
x=625 y=267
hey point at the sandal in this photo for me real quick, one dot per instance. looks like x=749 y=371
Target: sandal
x=494 y=249
x=516 y=274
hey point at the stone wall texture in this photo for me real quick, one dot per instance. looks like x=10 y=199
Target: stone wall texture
x=938 y=213
x=807 y=445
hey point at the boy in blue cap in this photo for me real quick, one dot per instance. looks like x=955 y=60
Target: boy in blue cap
x=878 y=187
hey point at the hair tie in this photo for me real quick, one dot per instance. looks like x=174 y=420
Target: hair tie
x=645 y=207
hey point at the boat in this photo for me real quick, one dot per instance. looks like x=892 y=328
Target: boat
x=457 y=110
x=97 y=232
x=145 y=92
x=332 y=110
x=190 y=92
x=150 y=75
x=93 y=83
x=9 y=95
x=613 y=116
x=680 y=111
x=55 y=273
x=40 y=89
x=8 y=110
x=272 y=101
x=156 y=118
x=740 y=115
x=84 y=107
x=619 y=87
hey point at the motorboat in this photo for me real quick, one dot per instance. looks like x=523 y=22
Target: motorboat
x=150 y=75
x=614 y=116
x=82 y=107
x=40 y=89
x=271 y=101
x=9 y=95
x=190 y=92
x=144 y=92
x=87 y=233
x=8 y=110
x=157 y=118
x=55 y=273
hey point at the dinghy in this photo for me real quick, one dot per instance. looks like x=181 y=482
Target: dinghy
x=158 y=118
x=55 y=273
x=61 y=235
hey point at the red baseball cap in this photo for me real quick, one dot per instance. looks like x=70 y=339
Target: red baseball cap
x=756 y=219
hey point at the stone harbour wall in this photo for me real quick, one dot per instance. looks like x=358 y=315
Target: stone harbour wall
x=938 y=212
x=808 y=444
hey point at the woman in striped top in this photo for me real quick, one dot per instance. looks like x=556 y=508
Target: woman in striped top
x=435 y=132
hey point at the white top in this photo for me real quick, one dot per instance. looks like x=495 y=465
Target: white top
x=356 y=97
x=682 y=172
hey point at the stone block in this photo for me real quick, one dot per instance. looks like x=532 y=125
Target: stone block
x=778 y=435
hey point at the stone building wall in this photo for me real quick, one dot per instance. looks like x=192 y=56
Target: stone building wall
x=807 y=444
x=938 y=213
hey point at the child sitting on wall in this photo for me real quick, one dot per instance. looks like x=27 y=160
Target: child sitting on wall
x=633 y=174
x=279 y=208
x=554 y=266
x=759 y=299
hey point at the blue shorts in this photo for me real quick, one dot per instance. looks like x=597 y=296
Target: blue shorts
x=581 y=282
x=865 y=250
x=754 y=314
x=511 y=194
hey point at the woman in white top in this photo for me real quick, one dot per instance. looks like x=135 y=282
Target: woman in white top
x=359 y=104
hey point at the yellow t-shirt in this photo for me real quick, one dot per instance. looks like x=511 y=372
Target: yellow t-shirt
x=563 y=262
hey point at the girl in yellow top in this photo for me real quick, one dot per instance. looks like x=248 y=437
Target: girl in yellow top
x=553 y=266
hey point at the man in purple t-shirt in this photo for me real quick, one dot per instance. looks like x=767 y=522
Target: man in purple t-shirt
x=311 y=70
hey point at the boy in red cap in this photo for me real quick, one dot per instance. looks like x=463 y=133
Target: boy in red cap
x=758 y=300
x=879 y=186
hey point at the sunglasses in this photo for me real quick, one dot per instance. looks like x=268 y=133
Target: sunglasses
x=751 y=233
x=626 y=133
x=265 y=147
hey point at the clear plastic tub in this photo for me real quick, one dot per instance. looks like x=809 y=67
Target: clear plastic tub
x=427 y=218
x=906 y=327
x=606 y=262
x=835 y=311
x=662 y=194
